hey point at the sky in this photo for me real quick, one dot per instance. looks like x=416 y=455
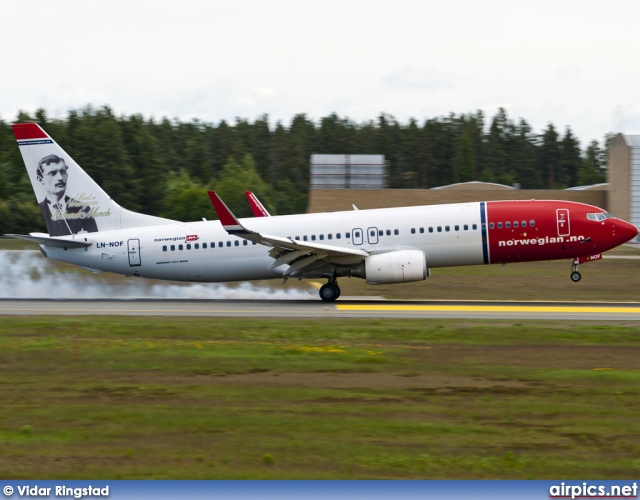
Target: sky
x=570 y=63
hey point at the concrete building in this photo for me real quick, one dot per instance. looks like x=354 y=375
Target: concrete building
x=349 y=172
x=624 y=178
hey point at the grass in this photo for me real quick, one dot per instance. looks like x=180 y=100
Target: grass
x=192 y=398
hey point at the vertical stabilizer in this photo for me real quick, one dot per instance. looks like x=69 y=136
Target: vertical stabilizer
x=71 y=202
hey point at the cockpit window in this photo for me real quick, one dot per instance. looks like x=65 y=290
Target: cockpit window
x=600 y=216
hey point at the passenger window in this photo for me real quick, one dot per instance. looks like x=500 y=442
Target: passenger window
x=466 y=227
x=329 y=236
x=491 y=225
x=413 y=230
x=388 y=232
x=431 y=230
x=439 y=229
x=173 y=248
x=188 y=246
x=499 y=225
x=180 y=247
x=313 y=237
x=356 y=234
x=421 y=230
x=338 y=236
x=304 y=238
x=507 y=224
x=515 y=224
x=254 y=243
x=197 y=246
x=236 y=243
x=321 y=236
x=457 y=228
x=164 y=248
x=447 y=228
x=380 y=232
x=524 y=223
x=220 y=244
x=532 y=223
x=474 y=227
x=245 y=243
x=347 y=235
x=396 y=232
x=228 y=243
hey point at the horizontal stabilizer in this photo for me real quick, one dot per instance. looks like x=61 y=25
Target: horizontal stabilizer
x=52 y=242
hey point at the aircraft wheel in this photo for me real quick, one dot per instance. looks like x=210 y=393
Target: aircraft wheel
x=575 y=276
x=329 y=292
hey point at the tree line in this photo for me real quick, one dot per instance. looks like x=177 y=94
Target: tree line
x=164 y=167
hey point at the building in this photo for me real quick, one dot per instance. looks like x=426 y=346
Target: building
x=624 y=178
x=349 y=172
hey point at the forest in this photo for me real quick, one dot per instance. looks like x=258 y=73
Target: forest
x=163 y=167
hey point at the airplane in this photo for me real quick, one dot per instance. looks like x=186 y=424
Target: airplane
x=387 y=245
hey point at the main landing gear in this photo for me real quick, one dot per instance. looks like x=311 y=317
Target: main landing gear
x=575 y=275
x=330 y=291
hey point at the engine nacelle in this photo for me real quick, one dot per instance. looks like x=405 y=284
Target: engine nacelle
x=401 y=266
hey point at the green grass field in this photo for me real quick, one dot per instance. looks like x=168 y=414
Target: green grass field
x=164 y=398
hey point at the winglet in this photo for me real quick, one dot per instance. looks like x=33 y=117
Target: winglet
x=229 y=221
x=256 y=207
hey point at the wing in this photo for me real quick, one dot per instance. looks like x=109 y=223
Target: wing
x=299 y=255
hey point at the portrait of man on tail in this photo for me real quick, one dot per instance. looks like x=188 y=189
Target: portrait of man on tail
x=62 y=214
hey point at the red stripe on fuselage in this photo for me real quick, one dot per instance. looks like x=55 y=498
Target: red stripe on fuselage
x=24 y=131
x=553 y=235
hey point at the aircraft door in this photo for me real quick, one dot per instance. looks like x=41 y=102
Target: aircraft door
x=562 y=217
x=357 y=236
x=133 y=247
x=372 y=235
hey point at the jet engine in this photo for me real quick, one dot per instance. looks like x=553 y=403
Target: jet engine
x=400 y=266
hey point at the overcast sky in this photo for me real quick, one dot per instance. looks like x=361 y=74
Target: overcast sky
x=571 y=63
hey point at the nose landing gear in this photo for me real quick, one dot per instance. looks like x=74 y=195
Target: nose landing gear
x=575 y=275
x=330 y=291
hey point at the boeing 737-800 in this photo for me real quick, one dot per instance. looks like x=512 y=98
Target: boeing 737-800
x=388 y=245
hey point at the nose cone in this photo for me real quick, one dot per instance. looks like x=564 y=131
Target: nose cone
x=625 y=231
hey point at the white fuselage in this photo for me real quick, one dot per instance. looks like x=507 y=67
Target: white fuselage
x=204 y=251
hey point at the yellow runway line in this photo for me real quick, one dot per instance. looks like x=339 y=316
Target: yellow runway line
x=491 y=309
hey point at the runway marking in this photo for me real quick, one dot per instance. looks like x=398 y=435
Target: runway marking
x=164 y=311
x=488 y=309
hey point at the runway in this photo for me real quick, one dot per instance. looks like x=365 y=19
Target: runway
x=343 y=308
